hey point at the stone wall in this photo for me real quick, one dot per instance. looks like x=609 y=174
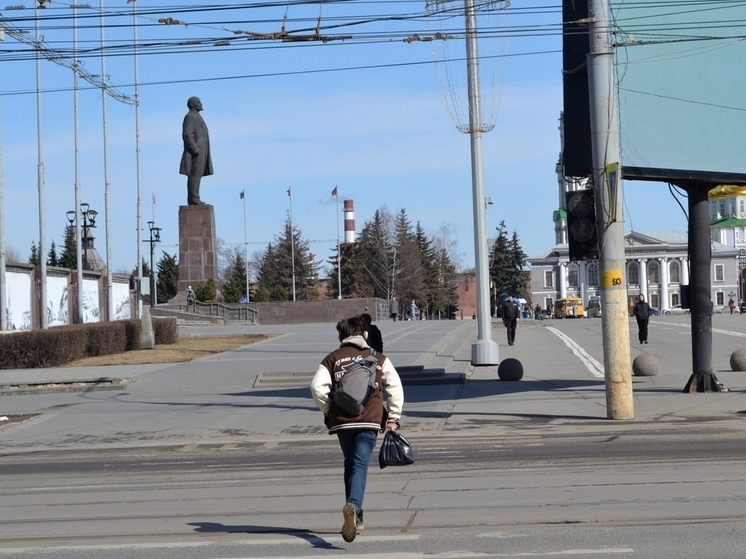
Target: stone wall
x=329 y=310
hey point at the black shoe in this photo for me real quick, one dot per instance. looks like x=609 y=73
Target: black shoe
x=360 y=525
x=349 y=528
x=646 y=341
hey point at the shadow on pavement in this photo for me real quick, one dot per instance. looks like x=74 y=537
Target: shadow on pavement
x=216 y=527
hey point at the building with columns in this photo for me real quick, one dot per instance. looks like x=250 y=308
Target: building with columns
x=656 y=265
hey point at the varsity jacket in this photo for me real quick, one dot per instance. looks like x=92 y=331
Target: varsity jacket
x=376 y=414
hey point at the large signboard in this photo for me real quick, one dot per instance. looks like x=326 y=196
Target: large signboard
x=680 y=83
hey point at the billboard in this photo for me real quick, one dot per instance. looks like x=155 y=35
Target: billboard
x=680 y=84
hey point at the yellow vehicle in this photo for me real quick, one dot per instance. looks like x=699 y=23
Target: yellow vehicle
x=571 y=307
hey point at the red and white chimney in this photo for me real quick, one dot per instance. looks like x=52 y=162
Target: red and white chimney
x=349 y=210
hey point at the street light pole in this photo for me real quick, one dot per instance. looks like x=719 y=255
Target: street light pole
x=82 y=244
x=155 y=237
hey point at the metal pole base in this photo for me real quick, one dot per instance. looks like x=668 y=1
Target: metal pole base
x=706 y=382
x=484 y=353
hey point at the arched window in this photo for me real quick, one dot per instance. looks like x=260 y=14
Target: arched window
x=674 y=272
x=741 y=207
x=572 y=276
x=722 y=209
x=593 y=274
x=633 y=273
x=653 y=273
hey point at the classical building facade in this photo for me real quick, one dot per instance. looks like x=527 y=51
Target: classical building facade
x=656 y=265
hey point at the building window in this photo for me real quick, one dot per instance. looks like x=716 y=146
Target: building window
x=713 y=211
x=675 y=299
x=653 y=276
x=673 y=272
x=741 y=207
x=572 y=277
x=593 y=274
x=722 y=209
x=655 y=301
x=548 y=278
x=719 y=272
x=733 y=207
x=719 y=298
x=634 y=273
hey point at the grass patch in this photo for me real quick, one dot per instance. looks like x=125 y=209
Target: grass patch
x=185 y=349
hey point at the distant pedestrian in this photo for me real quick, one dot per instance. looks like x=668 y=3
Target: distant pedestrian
x=393 y=308
x=413 y=310
x=731 y=305
x=357 y=435
x=372 y=333
x=641 y=311
x=510 y=317
x=537 y=312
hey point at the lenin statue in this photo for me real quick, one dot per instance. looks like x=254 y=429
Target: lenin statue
x=195 y=161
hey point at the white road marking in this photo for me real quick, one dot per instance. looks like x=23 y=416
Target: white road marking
x=596 y=368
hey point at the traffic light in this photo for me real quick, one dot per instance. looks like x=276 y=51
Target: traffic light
x=581 y=225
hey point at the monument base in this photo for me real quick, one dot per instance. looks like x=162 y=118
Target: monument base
x=198 y=255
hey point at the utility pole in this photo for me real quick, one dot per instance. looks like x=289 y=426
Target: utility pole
x=609 y=213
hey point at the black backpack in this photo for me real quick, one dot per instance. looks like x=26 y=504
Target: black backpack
x=357 y=384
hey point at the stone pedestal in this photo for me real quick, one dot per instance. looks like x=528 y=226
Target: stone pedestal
x=198 y=250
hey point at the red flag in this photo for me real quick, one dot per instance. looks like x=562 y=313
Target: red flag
x=334 y=192
x=242 y=194
x=288 y=192
x=130 y=1
x=153 y=199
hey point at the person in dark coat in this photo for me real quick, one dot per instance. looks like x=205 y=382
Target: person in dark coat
x=641 y=312
x=196 y=161
x=393 y=308
x=510 y=315
x=373 y=334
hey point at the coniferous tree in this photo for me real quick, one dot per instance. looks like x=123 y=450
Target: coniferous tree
x=68 y=257
x=356 y=282
x=52 y=258
x=34 y=257
x=168 y=277
x=409 y=277
x=377 y=253
x=288 y=266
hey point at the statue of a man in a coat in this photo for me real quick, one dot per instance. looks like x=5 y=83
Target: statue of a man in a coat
x=195 y=161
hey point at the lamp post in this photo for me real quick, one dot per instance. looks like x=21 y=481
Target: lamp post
x=155 y=237
x=89 y=222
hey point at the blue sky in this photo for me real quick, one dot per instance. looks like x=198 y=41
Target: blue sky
x=365 y=114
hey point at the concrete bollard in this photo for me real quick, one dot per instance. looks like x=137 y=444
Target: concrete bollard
x=738 y=360
x=645 y=365
x=510 y=369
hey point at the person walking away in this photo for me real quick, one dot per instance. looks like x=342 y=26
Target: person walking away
x=641 y=312
x=372 y=333
x=731 y=305
x=413 y=310
x=393 y=308
x=357 y=435
x=510 y=317
x=537 y=312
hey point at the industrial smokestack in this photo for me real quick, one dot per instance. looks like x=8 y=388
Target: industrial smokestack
x=349 y=221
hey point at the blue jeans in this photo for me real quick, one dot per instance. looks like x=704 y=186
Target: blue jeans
x=357 y=448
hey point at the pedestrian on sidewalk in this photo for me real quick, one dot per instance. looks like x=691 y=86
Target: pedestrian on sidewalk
x=372 y=333
x=510 y=317
x=357 y=435
x=393 y=308
x=641 y=312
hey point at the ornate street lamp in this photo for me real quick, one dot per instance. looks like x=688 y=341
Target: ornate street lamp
x=155 y=237
x=89 y=222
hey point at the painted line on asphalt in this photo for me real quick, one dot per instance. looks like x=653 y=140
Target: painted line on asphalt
x=715 y=330
x=596 y=368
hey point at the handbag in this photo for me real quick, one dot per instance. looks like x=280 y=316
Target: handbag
x=395 y=450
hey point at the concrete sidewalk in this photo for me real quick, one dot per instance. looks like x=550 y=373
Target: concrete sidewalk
x=222 y=398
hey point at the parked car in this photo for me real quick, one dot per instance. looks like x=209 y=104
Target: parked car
x=675 y=310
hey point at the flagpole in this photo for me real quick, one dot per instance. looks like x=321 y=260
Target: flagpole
x=245 y=246
x=339 y=251
x=107 y=186
x=292 y=240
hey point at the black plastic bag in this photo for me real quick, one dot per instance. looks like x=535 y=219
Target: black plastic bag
x=395 y=451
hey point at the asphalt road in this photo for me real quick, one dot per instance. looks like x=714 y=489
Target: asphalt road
x=191 y=461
